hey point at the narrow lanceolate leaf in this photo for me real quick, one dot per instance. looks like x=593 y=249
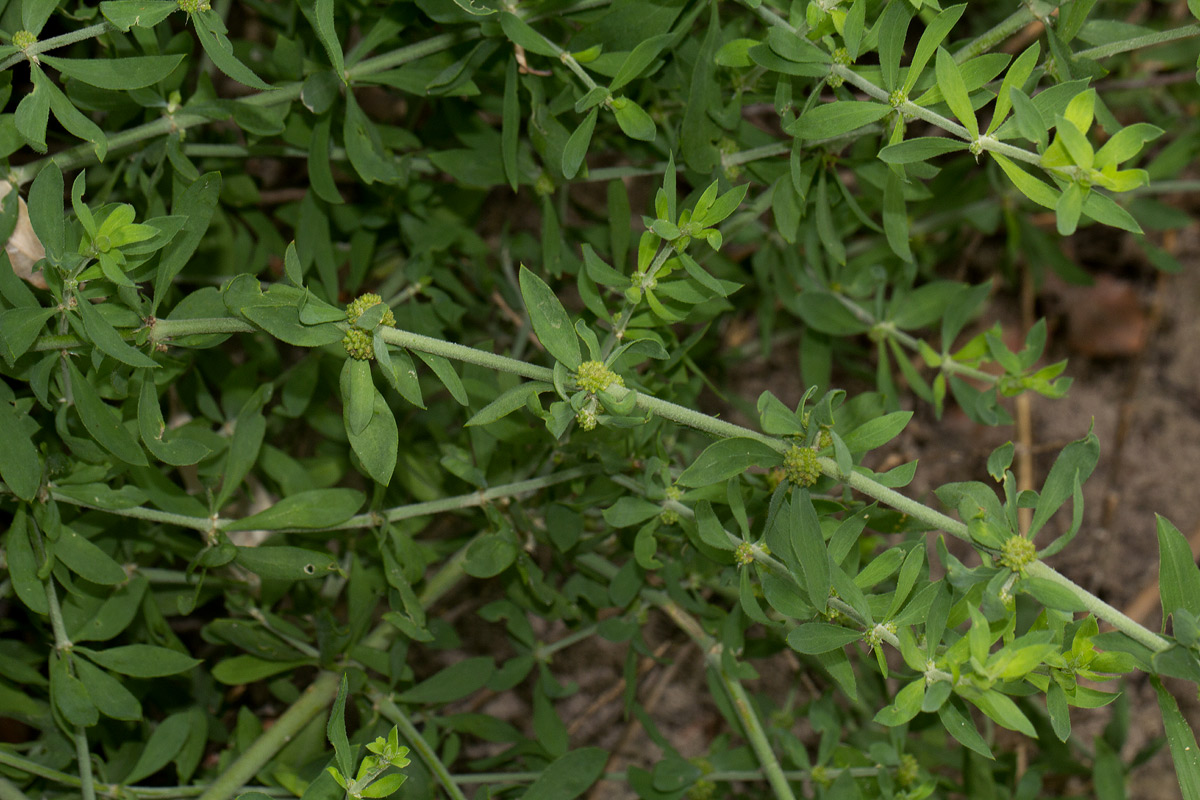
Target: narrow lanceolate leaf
x=335 y=730
x=726 y=458
x=1015 y=78
x=314 y=509
x=286 y=563
x=834 y=119
x=117 y=74
x=1182 y=741
x=809 y=545
x=103 y=422
x=107 y=340
x=550 y=320
x=921 y=148
x=320 y=16
x=577 y=146
x=569 y=776
x=1178 y=575
x=20 y=468
x=126 y=14
x=510 y=126
x=210 y=30
x=950 y=81
x=179 y=451
x=22 y=566
x=1031 y=187
x=141 y=660
x=508 y=402
x=814 y=638
x=933 y=36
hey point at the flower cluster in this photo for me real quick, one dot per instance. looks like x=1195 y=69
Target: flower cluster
x=595 y=376
x=1017 y=553
x=800 y=465
x=358 y=345
x=359 y=307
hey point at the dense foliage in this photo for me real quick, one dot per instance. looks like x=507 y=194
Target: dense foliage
x=317 y=313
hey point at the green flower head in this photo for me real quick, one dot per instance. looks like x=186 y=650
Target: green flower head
x=358 y=345
x=365 y=301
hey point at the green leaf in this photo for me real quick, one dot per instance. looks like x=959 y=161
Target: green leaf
x=364 y=146
x=633 y=120
x=320 y=176
x=550 y=321
x=577 y=146
x=196 y=204
x=1060 y=713
x=568 y=777
x=23 y=567
x=835 y=119
x=286 y=563
x=489 y=555
x=510 y=126
x=116 y=74
x=107 y=340
x=1051 y=594
x=709 y=527
x=179 y=450
x=87 y=560
x=107 y=693
x=126 y=14
x=446 y=373
x=906 y=705
x=950 y=82
x=70 y=117
x=249 y=428
x=377 y=445
x=141 y=660
x=809 y=545
x=358 y=394
x=210 y=30
x=1182 y=741
x=311 y=510
x=1125 y=144
x=102 y=421
x=46 y=210
x=1004 y=711
x=637 y=60
x=1031 y=187
x=508 y=402
x=935 y=33
x=963 y=729
x=335 y=730
x=164 y=744
x=244 y=669
x=453 y=683
x=877 y=432
x=895 y=217
x=922 y=148
x=723 y=459
x=20 y=327
x=814 y=638
x=69 y=694
x=20 y=467
x=1015 y=78
x=892 y=30
x=518 y=32
x=320 y=16
x=31 y=118
x=1178 y=575
x=1075 y=462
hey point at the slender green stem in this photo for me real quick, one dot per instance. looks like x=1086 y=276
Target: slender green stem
x=1139 y=42
x=16 y=761
x=758 y=738
x=83 y=755
x=997 y=34
x=46 y=45
x=543 y=652
x=1101 y=609
x=410 y=733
